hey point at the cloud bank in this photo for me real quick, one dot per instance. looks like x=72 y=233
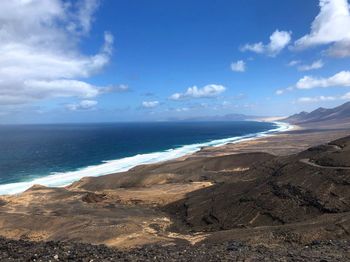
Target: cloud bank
x=331 y=26
x=208 y=91
x=318 y=99
x=40 y=57
x=341 y=79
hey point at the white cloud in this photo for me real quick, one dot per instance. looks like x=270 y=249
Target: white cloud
x=82 y=105
x=346 y=96
x=278 y=41
x=33 y=90
x=303 y=67
x=315 y=65
x=208 y=91
x=115 y=89
x=182 y=109
x=258 y=48
x=238 y=66
x=331 y=26
x=176 y=96
x=60 y=88
x=84 y=15
x=316 y=99
x=341 y=79
x=150 y=104
x=40 y=57
x=340 y=49
x=294 y=62
x=283 y=91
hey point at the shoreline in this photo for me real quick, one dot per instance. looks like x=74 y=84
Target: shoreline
x=65 y=179
x=197 y=200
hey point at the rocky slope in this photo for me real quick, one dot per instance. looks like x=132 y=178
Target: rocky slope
x=222 y=207
x=279 y=192
x=338 y=116
x=22 y=250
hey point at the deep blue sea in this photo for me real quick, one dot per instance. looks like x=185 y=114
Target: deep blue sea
x=56 y=155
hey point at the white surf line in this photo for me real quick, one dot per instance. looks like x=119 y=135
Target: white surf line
x=61 y=179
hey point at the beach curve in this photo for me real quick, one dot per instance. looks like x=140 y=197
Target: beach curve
x=62 y=179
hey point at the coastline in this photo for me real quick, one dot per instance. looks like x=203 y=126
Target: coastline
x=187 y=201
x=65 y=179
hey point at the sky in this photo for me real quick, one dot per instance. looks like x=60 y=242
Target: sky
x=79 y=61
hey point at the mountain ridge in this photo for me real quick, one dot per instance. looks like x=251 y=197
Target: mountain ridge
x=336 y=115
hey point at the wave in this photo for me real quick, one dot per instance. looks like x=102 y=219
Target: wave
x=124 y=164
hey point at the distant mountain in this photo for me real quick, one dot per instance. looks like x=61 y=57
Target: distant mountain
x=339 y=115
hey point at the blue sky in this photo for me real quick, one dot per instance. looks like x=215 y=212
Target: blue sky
x=97 y=61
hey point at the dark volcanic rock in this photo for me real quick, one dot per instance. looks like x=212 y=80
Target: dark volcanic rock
x=93 y=197
x=280 y=191
x=12 y=250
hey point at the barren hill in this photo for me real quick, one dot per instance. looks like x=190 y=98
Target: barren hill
x=335 y=117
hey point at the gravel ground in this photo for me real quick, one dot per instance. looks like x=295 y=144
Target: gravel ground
x=12 y=250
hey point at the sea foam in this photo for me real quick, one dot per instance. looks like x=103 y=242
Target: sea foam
x=124 y=164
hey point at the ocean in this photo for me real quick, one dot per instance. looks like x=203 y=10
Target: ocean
x=59 y=154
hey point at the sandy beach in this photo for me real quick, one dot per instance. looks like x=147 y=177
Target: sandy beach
x=296 y=139
x=131 y=208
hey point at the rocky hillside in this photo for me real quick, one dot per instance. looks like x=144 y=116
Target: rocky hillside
x=11 y=250
x=291 y=192
x=335 y=116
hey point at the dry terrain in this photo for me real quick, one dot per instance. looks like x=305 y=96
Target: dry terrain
x=269 y=196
